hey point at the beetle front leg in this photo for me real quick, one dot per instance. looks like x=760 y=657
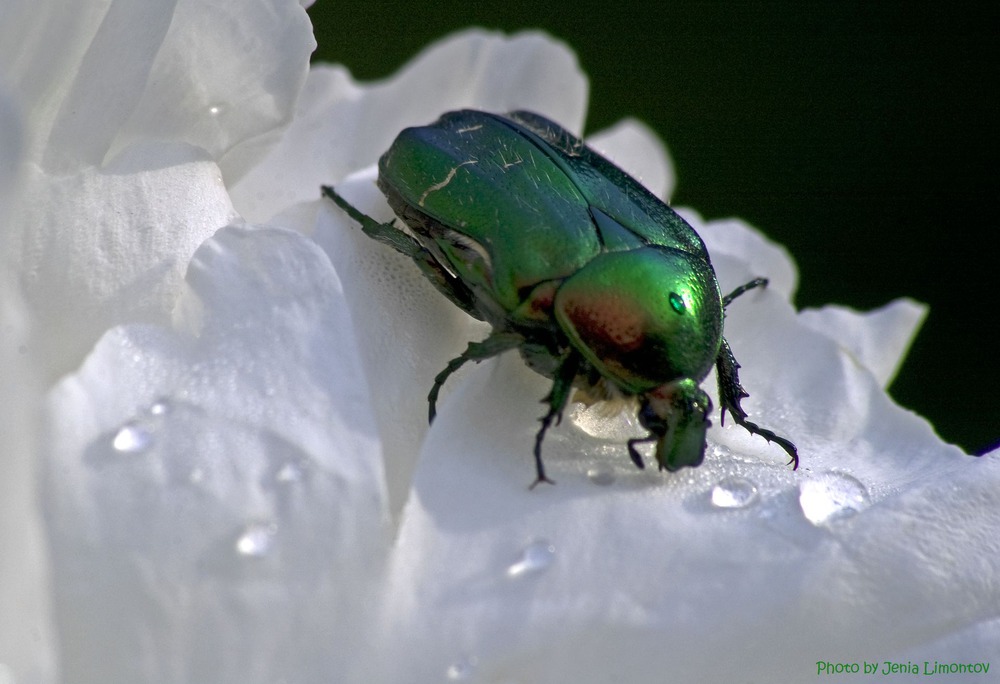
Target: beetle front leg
x=556 y=399
x=388 y=234
x=730 y=395
x=495 y=344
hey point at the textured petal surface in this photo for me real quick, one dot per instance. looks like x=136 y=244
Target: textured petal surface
x=135 y=120
x=214 y=494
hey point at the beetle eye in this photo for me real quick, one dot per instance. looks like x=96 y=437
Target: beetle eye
x=677 y=303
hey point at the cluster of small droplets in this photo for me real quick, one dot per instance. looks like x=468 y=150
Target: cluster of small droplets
x=137 y=436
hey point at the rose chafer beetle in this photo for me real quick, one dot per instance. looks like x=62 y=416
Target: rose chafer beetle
x=600 y=285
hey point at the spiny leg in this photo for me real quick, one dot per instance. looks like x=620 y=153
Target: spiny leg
x=556 y=399
x=496 y=343
x=388 y=234
x=756 y=282
x=730 y=395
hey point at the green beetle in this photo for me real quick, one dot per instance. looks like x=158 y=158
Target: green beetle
x=600 y=285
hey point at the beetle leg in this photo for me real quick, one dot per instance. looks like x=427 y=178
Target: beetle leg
x=730 y=395
x=405 y=244
x=556 y=399
x=634 y=453
x=756 y=282
x=496 y=343
x=386 y=233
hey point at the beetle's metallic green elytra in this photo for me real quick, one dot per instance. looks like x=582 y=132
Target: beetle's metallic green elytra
x=600 y=285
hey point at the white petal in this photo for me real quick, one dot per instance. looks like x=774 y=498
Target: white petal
x=341 y=127
x=215 y=503
x=104 y=246
x=26 y=636
x=876 y=339
x=589 y=581
x=216 y=75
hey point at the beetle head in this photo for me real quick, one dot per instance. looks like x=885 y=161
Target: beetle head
x=676 y=414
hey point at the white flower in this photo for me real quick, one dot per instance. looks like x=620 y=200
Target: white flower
x=235 y=480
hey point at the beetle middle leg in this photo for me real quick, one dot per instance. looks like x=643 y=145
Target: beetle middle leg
x=556 y=399
x=497 y=343
x=730 y=395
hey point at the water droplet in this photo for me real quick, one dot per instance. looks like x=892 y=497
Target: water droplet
x=832 y=496
x=132 y=438
x=536 y=558
x=215 y=110
x=462 y=669
x=289 y=473
x=734 y=492
x=256 y=539
x=602 y=475
x=161 y=407
x=196 y=476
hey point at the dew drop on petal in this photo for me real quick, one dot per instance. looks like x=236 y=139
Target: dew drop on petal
x=196 y=476
x=536 y=558
x=734 y=492
x=289 y=473
x=161 y=407
x=832 y=496
x=462 y=669
x=132 y=438
x=256 y=540
x=602 y=475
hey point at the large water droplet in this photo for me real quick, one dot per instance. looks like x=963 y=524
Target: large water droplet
x=734 y=492
x=256 y=539
x=536 y=558
x=462 y=670
x=132 y=438
x=832 y=496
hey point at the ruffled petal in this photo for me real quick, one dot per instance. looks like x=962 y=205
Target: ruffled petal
x=214 y=492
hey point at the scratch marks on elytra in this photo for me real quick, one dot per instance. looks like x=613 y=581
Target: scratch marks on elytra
x=438 y=186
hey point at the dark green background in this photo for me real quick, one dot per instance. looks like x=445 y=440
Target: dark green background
x=862 y=135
